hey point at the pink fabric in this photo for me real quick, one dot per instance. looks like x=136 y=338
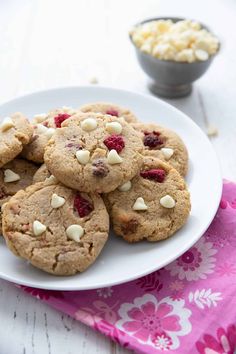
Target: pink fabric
x=187 y=307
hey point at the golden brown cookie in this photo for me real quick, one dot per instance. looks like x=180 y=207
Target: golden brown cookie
x=93 y=152
x=164 y=144
x=14 y=176
x=110 y=108
x=44 y=126
x=15 y=132
x=152 y=206
x=55 y=228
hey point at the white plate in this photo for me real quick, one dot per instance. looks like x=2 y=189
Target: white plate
x=119 y=261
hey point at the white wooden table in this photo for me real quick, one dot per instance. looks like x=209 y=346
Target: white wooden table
x=46 y=44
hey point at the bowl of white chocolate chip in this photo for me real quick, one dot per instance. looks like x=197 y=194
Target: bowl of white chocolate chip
x=173 y=52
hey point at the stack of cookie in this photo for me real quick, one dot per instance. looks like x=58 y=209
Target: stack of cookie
x=98 y=164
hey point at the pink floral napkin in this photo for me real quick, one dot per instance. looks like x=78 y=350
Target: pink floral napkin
x=187 y=307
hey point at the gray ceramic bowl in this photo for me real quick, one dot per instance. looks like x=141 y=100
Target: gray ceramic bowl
x=170 y=78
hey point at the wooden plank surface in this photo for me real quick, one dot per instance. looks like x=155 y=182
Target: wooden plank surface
x=56 y=43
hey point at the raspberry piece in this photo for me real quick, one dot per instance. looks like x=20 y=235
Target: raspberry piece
x=100 y=169
x=60 y=119
x=82 y=205
x=152 y=140
x=115 y=142
x=157 y=175
x=112 y=112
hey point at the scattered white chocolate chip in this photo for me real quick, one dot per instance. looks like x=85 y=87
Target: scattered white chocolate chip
x=40 y=117
x=49 y=133
x=6 y=124
x=114 y=127
x=52 y=179
x=57 y=201
x=75 y=232
x=83 y=156
x=212 y=130
x=89 y=124
x=167 y=202
x=38 y=228
x=125 y=187
x=41 y=129
x=167 y=152
x=140 y=204
x=10 y=176
x=201 y=54
x=93 y=80
x=113 y=157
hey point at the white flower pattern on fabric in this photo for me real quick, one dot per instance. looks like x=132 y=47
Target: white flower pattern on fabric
x=204 y=298
x=156 y=323
x=105 y=292
x=196 y=263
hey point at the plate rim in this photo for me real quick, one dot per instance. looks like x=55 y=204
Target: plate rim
x=170 y=259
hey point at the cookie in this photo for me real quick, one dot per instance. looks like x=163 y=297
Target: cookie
x=93 y=152
x=164 y=144
x=110 y=108
x=41 y=174
x=15 y=175
x=152 y=206
x=55 y=228
x=15 y=132
x=44 y=126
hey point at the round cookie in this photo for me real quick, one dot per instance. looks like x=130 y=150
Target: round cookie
x=41 y=174
x=44 y=126
x=152 y=206
x=56 y=228
x=15 y=132
x=93 y=152
x=111 y=109
x=164 y=144
x=20 y=174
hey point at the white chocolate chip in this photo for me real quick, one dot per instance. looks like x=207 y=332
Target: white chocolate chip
x=140 y=204
x=57 y=201
x=52 y=179
x=212 y=130
x=89 y=124
x=93 y=80
x=40 y=117
x=83 y=156
x=114 y=127
x=125 y=187
x=167 y=152
x=75 y=232
x=167 y=202
x=6 y=124
x=38 y=228
x=41 y=129
x=113 y=157
x=201 y=54
x=10 y=176
x=49 y=133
